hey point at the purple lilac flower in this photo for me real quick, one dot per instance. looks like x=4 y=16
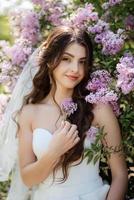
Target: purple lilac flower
x=53 y=11
x=129 y=22
x=19 y=52
x=110 y=3
x=111 y=42
x=5 y=66
x=38 y=2
x=25 y=24
x=84 y=15
x=68 y=106
x=30 y=27
x=99 y=87
x=114 y=2
x=91 y=133
x=99 y=79
x=55 y=16
x=99 y=27
x=125 y=69
x=104 y=96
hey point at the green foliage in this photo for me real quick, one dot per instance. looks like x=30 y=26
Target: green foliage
x=4 y=29
x=115 y=16
x=4 y=187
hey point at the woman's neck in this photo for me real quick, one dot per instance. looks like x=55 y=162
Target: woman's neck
x=60 y=95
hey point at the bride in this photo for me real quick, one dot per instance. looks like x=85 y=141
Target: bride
x=54 y=119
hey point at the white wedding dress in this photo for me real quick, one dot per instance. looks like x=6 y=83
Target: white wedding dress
x=83 y=183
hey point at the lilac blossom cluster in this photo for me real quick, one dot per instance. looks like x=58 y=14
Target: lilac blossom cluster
x=129 y=22
x=91 y=133
x=13 y=59
x=110 y=3
x=99 y=79
x=25 y=25
x=55 y=15
x=20 y=52
x=38 y=2
x=99 y=87
x=52 y=11
x=30 y=27
x=83 y=16
x=111 y=42
x=125 y=70
x=114 y=2
x=68 y=106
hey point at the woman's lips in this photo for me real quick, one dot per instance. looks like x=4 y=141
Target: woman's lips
x=72 y=77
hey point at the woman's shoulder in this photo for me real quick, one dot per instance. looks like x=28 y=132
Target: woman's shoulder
x=101 y=107
x=26 y=112
x=28 y=109
x=103 y=113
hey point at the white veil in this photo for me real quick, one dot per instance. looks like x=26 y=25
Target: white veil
x=8 y=130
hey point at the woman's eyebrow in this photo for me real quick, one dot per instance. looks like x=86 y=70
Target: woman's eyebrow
x=73 y=55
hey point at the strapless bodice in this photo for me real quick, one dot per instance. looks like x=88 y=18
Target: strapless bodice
x=42 y=138
x=83 y=182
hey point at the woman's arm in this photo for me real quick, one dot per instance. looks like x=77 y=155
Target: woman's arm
x=35 y=171
x=106 y=118
x=32 y=171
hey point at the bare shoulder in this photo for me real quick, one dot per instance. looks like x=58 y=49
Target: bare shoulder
x=26 y=114
x=105 y=117
x=27 y=110
x=103 y=113
x=102 y=107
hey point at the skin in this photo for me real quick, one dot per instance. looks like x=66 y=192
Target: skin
x=45 y=115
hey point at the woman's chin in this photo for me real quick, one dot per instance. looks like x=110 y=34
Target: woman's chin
x=70 y=85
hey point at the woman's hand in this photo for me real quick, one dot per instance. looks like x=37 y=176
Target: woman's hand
x=64 y=138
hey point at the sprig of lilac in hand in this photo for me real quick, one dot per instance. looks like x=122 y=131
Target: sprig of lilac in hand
x=68 y=107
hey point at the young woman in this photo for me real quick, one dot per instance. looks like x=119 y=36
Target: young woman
x=51 y=144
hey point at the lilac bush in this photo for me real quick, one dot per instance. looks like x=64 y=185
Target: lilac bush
x=111 y=27
x=27 y=29
x=125 y=77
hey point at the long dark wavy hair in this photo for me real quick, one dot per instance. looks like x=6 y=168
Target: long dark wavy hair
x=51 y=52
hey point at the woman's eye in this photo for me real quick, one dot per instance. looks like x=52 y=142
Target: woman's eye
x=65 y=59
x=82 y=62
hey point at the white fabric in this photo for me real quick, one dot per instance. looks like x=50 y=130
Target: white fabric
x=8 y=130
x=83 y=183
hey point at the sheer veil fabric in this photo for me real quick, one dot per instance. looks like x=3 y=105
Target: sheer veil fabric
x=8 y=130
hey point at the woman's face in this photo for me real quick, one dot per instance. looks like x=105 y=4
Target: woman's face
x=70 y=70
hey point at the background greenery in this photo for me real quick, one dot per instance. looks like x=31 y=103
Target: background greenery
x=116 y=17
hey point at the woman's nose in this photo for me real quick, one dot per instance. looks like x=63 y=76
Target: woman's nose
x=75 y=67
